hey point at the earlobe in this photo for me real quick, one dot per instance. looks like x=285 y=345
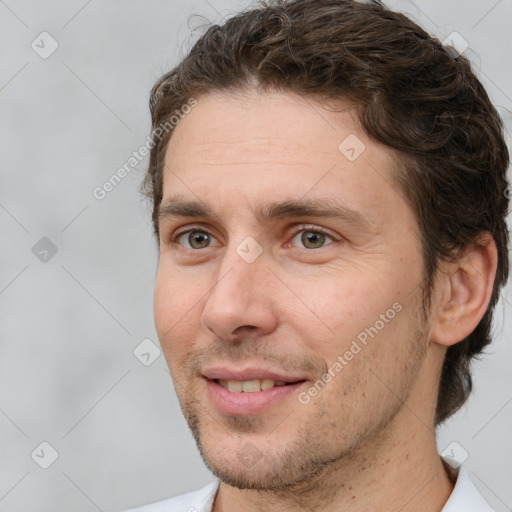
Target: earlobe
x=465 y=288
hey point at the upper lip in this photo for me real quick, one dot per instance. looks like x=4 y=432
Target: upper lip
x=253 y=373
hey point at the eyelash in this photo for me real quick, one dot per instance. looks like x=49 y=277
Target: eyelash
x=313 y=229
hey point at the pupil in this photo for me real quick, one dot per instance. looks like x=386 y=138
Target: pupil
x=311 y=238
x=198 y=240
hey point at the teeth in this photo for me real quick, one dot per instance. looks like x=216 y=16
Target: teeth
x=250 y=386
x=267 y=384
x=235 y=386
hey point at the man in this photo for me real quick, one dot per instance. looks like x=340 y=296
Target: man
x=330 y=212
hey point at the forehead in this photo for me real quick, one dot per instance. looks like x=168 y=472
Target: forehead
x=239 y=148
x=260 y=125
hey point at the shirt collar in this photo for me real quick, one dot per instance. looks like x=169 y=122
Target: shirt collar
x=465 y=497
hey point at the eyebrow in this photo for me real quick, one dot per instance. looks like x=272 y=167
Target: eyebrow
x=176 y=206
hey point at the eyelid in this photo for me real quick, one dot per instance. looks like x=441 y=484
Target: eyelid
x=314 y=227
x=178 y=233
x=317 y=229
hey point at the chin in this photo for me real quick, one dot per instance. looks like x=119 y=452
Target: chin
x=262 y=478
x=255 y=467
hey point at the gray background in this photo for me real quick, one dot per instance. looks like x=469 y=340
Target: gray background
x=69 y=326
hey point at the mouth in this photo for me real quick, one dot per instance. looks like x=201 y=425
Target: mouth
x=250 y=391
x=252 y=386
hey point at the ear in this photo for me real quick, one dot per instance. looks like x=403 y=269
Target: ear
x=463 y=292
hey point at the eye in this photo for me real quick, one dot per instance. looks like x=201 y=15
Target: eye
x=312 y=238
x=194 y=239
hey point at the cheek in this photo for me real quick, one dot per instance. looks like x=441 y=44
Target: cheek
x=362 y=317
x=164 y=304
x=340 y=310
x=174 y=311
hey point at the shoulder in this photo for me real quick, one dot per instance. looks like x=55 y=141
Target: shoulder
x=465 y=496
x=195 y=501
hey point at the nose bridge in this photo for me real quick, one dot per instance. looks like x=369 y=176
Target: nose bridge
x=242 y=263
x=234 y=274
x=240 y=296
x=241 y=266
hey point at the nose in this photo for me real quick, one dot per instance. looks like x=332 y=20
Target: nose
x=241 y=300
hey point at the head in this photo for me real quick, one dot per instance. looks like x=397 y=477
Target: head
x=303 y=104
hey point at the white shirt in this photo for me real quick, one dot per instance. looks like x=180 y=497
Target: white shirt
x=464 y=498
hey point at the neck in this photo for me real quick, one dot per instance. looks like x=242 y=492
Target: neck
x=397 y=470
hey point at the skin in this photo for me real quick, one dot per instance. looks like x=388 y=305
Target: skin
x=367 y=440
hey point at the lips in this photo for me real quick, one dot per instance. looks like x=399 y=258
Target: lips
x=250 y=391
x=249 y=374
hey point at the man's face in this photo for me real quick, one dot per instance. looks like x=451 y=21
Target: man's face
x=259 y=293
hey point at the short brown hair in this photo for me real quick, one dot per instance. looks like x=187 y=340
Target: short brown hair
x=410 y=93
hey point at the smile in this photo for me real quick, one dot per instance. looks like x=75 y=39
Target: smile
x=249 y=386
x=250 y=397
